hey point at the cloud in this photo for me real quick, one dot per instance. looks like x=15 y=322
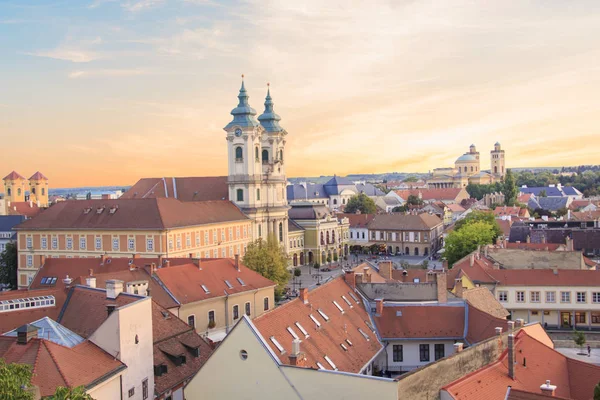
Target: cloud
x=98 y=3
x=73 y=55
x=141 y=5
x=94 y=73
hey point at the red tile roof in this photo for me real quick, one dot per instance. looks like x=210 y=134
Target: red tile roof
x=156 y=214
x=585 y=215
x=55 y=365
x=357 y=220
x=26 y=208
x=38 y=176
x=430 y=321
x=516 y=394
x=575 y=204
x=505 y=225
x=327 y=340
x=574 y=379
x=431 y=194
x=14 y=319
x=185 y=282
x=456 y=208
x=13 y=176
x=478 y=272
x=482 y=326
x=505 y=210
x=524 y=198
x=184 y=189
x=484 y=300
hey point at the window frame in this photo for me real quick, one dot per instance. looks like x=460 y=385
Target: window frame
x=265 y=304
x=582 y=296
x=145 y=389
x=437 y=353
x=398 y=353
x=520 y=293
x=535 y=294
x=424 y=352
x=503 y=296
x=235 y=312
x=248 y=309
x=553 y=293
x=562 y=296
x=193 y=317
x=214 y=316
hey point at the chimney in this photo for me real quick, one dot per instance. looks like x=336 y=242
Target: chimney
x=528 y=239
x=379 y=306
x=358 y=278
x=42 y=260
x=152 y=268
x=442 y=287
x=102 y=259
x=543 y=239
x=385 y=269
x=90 y=281
x=349 y=278
x=197 y=262
x=511 y=326
x=458 y=347
x=304 y=295
x=110 y=308
x=511 y=356
x=498 y=331
x=548 y=389
x=30 y=203
x=191 y=255
x=471 y=259
x=25 y=333
x=166 y=263
x=237 y=262
x=160 y=261
x=519 y=323
x=569 y=244
x=297 y=358
x=458 y=288
x=114 y=287
x=67 y=281
x=366 y=275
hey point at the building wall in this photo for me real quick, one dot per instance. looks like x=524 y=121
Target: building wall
x=401 y=239
x=411 y=354
x=108 y=390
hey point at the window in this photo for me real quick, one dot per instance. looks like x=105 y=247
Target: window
x=188 y=240
x=43 y=191
x=257 y=194
x=565 y=297
x=240 y=195
x=520 y=296
x=98 y=243
x=214 y=236
x=54 y=242
x=149 y=244
x=535 y=297
x=580 y=317
x=439 y=351
x=197 y=239
x=595 y=317
x=265 y=156
x=239 y=154
x=178 y=242
x=248 y=308
x=236 y=312
x=69 y=243
x=205 y=238
x=256 y=154
x=192 y=321
x=82 y=243
x=424 y=352
x=550 y=297
x=595 y=297
x=131 y=392
x=29 y=260
x=18 y=191
x=131 y=244
x=503 y=296
x=266 y=304
x=145 y=389
x=398 y=353
x=581 y=297
x=211 y=317
x=280 y=232
x=281 y=155
x=115 y=243
x=44 y=243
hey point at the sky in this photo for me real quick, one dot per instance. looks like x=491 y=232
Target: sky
x=104 y=92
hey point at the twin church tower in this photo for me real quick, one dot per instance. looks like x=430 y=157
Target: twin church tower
x=256 y=178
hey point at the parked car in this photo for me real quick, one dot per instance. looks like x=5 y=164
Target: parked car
x=326 y=269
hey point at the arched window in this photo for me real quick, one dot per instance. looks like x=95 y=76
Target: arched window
x=18 y=191
x=265 y=156
x=258 y=194
x=343 y=201
x=322 y=239
x=334 y=202
x=256 y=154
x=8 y=191
x=32 y=190
x=240 y=195
x=239 y=154
x=333 y=236
x=259 y=230
x=495 y=170
x=281 y=232
x=43 y=191
x=471 y=168
x=281 y=155
x=327 y=236
x=465 y=169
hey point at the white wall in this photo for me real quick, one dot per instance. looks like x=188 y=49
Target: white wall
x=512 y=303
x=107 y=390
x=411 y=359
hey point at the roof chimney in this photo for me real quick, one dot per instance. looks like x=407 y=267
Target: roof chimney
x=511 y=356
x=458 y=347
x=160 y=261
x=379 y=306
x=471 y=259
x=458 y=287
x=519 y=322
x=548 y=389
x=366 y=275
x=166 y=263
x=25 y=333
x=152 y=268
x=237 y=262
x=67 y=281
x=102 y=258
x=191 y=255
x=442 y=287
x=42 y=260
x=90 y=281
x=297 y=358
x=349 y=278
x=511 y=326
x=304 y=295
x=499 y=331
x=114 y=287
x=197 y=262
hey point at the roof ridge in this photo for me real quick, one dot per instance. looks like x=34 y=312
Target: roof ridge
x=56 y=362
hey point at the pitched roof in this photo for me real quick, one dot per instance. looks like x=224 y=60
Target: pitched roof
x=585 y=215
x=426 y=321
x=516 y=394
x=308 y=211
x=53 y=331
x=187 y=282
x=551 y=191
x=182 y=188
x=8 y=221
x=349 y=328
x=532 y=246
x=481 y=325
x=357 y=220
x=505 y=225
x=504 y=210
x=431 y=194
x=482 y=299
x=13 y=176
x=456 y=208
x=133 y=214
x=574 y=379
x=423 y=221
x=14 y=319
x=55 y=365
x=26 y=208
x=293 y=226
x=38 y=176
x=546 y=277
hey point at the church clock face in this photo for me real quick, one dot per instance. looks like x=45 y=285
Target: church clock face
x=238 y=132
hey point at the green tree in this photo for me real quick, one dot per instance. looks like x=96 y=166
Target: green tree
x=425 y=264
x=268 y=258
x=480 y=216
x=361 y=202
x=8 y=265
x=14 y=381
x=579 y=339
x=297 y=272
x=510 y=188
x=414 y=200
x=411 y=179
x=461 y=242
x=597 y=392
x=64 y=393
x=543 y=193
x=561 y=212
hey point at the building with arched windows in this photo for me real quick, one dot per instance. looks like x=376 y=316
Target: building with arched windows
x=24 y=196
x=467 y=169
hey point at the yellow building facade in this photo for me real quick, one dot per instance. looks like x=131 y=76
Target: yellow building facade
x=18 y=189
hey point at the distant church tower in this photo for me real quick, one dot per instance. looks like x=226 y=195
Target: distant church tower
x=15 y=186
x=473 y=151
x=497 y=162
x=257 y=181
x=38 y=189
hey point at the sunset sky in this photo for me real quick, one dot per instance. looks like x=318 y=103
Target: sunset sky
x=103 y=92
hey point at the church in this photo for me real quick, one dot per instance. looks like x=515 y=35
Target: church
x=467 y=169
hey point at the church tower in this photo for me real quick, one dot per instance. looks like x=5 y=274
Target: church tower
x=14 y=189
x=38 y=189
x=497 y=162
x=257 y=180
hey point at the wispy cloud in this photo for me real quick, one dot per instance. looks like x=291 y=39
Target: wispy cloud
x=94 y=73
x=141 y=5
x=74 y=51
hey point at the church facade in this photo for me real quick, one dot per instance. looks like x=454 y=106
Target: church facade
x=467 y=169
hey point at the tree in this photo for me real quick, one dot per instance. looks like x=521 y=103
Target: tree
x=480 y=216
x=425 y=264
x=561 y=212
x=579 y=339
x=64 y=393
x=461 y=242
x=268 y=258
x=543 y=193
x=8 y=265
x=411 y=179
x=597 y=392
x=15 y=380
x=297 y=272
x=510 y=188
x=414 y=200
x=361 y=202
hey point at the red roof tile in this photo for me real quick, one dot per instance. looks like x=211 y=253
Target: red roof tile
x=546 y=277
x=184 y=189
x=482 y=326
x=38 y=176
x=26 y=208
x=14 y=319
x=516 y=394
x=185 y=281
x=357 y=220
x=327 y=340
x=505 y=225
x=13 y=176
x=133 y=214
x=417 y=321
x=585 y=215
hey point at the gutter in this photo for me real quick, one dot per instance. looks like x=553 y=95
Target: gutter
x=104 y=377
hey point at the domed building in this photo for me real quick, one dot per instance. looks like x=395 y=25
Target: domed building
x=467 y=169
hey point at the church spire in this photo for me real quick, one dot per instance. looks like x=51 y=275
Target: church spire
x=243 y=114
x=269 y=119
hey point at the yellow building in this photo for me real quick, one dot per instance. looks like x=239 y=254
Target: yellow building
x=119 y=228
x=24 y=196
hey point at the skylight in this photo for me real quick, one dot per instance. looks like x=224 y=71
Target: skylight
x=205 y=289
x=48 y=280
x=306 y=335
x=325 y=317
x=241 y=281
x=349 y=342
x=291 y=331
x=276 y=343
x=364 y=334
x=347 y=301
x=28 y=302
x=353 y=297
x=320 y=365
x=315 y=320
x=228 y=284
x=330 y=362
x=338 y=306
x=344 y=346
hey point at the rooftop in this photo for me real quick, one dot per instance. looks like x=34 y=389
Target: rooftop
x=182 y=188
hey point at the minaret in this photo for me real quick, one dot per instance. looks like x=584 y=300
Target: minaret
x=497 y=162
x=38 y=189
x=257 y=181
